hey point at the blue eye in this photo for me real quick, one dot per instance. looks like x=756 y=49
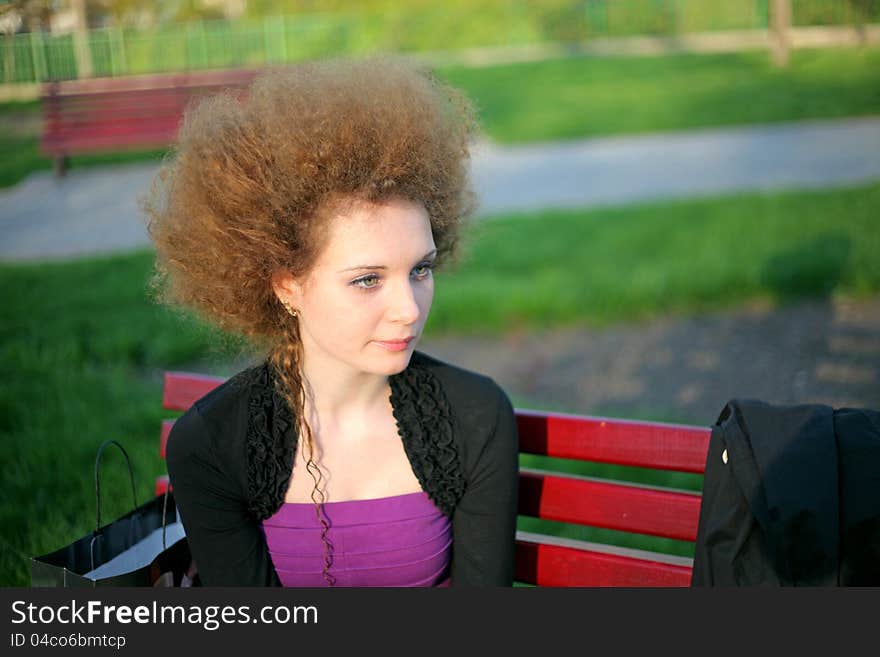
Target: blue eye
x=423 y=270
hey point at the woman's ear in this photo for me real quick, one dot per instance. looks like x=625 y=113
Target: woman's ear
x=286 y=288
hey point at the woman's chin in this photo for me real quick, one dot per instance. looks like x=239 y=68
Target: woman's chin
x=394 y=362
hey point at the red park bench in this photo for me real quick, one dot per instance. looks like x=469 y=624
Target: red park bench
x=545 y=560
x=116 y=114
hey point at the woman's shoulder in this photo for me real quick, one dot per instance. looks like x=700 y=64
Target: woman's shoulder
x=455 y=376
x=472 y=397
x=214 y=423
x=235 y=391
x=458 y=380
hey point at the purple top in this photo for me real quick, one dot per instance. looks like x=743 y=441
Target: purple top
x=403 y=540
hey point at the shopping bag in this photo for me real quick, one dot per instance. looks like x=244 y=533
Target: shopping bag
x=145 y=547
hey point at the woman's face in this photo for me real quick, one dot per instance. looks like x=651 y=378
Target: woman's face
x=365 y=301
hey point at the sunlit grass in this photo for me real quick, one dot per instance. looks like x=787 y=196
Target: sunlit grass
x=601 y=266
x=595 y=96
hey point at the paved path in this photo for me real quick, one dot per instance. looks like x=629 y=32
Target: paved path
x=617 y=170
x=96 y=210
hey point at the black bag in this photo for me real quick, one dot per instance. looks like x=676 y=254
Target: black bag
x=138 y=549
x=791 y=497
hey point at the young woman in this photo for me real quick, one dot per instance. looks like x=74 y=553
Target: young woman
x=310 y=216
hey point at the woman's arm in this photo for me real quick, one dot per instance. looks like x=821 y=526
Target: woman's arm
x=484 y=522
x=225 y=540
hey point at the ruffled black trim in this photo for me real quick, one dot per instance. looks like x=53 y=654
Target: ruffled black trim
x=424 y=422
x=271 y=445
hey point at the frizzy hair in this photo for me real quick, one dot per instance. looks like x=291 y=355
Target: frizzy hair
x=253 y=181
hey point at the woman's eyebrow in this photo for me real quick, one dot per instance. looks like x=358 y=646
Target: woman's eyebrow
x=430 y=254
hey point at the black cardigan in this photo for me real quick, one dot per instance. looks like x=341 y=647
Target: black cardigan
x=230 y=459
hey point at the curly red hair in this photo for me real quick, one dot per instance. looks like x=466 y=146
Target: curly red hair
x=251 y=183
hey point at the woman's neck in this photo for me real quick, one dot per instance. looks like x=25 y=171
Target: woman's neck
x=339 y=393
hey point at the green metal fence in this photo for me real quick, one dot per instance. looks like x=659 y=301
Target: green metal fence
x=418 y=27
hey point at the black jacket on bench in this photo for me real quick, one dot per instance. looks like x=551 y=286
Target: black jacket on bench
x=230 y=459
x=791 y=497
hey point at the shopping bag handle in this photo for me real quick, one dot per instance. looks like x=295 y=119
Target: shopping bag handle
x=97 y=531
x=110 y=441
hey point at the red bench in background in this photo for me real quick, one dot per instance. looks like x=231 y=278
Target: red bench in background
x=116 y=114
x=545 y=560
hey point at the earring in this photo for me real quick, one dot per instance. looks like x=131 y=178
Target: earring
x=289 y=309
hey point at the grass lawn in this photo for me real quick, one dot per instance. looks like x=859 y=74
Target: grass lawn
x=601 y=266
x=84 y=348
x=593 y=96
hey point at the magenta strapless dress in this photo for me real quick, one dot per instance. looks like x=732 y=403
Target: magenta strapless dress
x=403 y=540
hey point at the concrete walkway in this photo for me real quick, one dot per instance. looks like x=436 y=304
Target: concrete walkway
x=96 y=210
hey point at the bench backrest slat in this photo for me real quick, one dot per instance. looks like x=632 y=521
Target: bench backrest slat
x=92 y=110
x=183 y=388
x=599 y=503
x=146 y=99
x=545 y=562
x=92 y=118
x=654 y=445
x=231 y=77
x=157 y=137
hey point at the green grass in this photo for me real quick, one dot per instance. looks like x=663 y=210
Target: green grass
x=602 y=266
x=26 y=159
x=592 y=96
x=83 y=348
x=19 y=106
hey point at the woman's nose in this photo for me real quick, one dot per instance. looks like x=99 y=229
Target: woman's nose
x=404 y=308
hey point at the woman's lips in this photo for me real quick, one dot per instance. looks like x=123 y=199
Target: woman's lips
x=394 y=345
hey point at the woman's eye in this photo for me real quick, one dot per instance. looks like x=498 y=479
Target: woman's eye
x=371 y=281
x=423 y=270
x=366 y=282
